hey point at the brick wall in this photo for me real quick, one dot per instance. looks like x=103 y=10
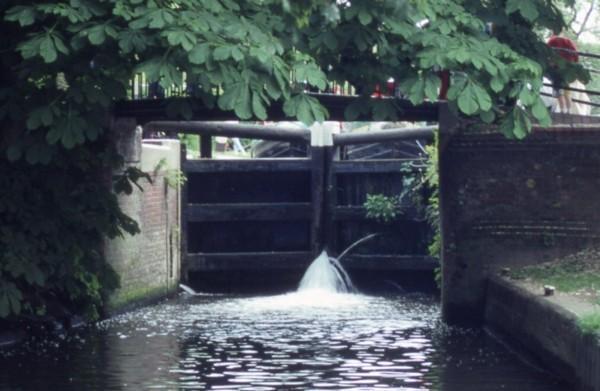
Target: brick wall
x=149 y=263
x=509 y=203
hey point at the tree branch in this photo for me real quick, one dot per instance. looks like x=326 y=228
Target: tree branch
x=585 y=20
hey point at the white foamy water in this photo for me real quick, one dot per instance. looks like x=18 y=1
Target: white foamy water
x=326 y=275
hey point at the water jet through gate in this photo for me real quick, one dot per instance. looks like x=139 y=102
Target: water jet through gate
x=327 y=274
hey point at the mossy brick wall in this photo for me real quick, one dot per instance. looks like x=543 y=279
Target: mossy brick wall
x=508 y=203
x=148 y=263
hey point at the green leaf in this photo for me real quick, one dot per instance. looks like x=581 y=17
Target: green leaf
x=53 y=135
x=527 y=9
x=467 y=100
x=222 y=53
x=96 y=35
x=236 y=96
x=60 y=45
x=484 y=101
x=516 y=124
x=70 y=130
x=414 y=87
x=258 y=107
x=497 y=83
x=272 y=89
x=364 y=17
x=474 y=98
x=384 y=109
x=281 y=73
x=151 y=68
x=47 y=49
x=432 y=85
x=183 y=38
x=160 y=18
x=4 y=306
x=456 y=87
x=13 y=153
x=15 y=303
x=310 y=73
x=10 y=299
x=356 y=108
x=306 y=108
x=522 y=124
x=487 y=116
x=237 y=54
x=132 y=40
x=25 y=15
x=330 y=41
x=40 y=116
x=527 y=96
x=169 y=75
x=507 y=125
x=540 y=112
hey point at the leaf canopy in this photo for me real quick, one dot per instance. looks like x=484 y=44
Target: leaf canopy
x=282 y=48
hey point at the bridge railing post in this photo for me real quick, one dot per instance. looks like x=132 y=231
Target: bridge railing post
x=206 y=146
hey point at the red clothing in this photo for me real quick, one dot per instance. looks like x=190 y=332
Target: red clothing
x=445 y=84
x=564 y=43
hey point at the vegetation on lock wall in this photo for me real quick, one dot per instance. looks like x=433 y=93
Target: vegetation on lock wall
x=64 y=63
x=53 y=219
x=420 y=192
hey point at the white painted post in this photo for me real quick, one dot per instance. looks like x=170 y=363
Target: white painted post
x=321 y=136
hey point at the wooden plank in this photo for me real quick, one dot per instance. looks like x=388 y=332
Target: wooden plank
x=246 y=165
x=390 y=262
x=147 y=110
x=375 y=166
x=249 y=261
x=302 y=259
x=249 y=212
x=358 y=212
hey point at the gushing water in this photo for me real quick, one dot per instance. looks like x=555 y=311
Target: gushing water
x=326 y=274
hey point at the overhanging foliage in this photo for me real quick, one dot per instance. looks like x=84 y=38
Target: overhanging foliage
x=64 y=63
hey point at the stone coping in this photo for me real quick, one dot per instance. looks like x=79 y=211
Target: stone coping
x=545 y=328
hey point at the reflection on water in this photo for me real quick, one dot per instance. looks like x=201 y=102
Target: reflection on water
x=338 y=341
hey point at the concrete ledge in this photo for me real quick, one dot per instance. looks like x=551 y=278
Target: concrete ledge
x=122 y=302
x=546 y=330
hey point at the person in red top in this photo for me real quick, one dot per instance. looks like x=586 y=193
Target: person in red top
x=566 y=49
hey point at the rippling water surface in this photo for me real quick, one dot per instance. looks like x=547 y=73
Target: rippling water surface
x=311 y=341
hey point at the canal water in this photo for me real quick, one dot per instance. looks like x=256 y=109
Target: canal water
x=299 y=341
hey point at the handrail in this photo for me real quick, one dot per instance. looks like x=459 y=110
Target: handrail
x=384 y=135
x=589 y=92
x=260 y=132
x=287 y=133
x=583 y=54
